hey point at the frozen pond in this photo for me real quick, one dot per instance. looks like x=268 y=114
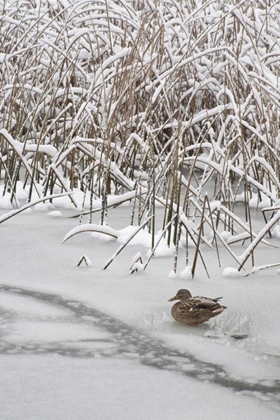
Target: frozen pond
x=63 y=355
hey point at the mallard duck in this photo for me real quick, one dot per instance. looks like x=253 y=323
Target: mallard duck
x=194 y=310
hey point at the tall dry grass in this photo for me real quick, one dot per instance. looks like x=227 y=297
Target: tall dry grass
x=152 y=98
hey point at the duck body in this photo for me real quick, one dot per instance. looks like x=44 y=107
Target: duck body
x=194 y=310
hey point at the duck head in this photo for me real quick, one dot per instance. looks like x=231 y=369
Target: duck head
x=182 y=294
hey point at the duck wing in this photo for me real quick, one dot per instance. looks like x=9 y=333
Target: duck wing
x=207 y=298
x=207 y=304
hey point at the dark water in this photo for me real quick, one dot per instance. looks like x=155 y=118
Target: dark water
x=122 y=341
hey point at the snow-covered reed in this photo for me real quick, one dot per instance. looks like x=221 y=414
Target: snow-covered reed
x=156 y=98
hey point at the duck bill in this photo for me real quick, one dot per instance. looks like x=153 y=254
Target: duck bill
x=174 y=298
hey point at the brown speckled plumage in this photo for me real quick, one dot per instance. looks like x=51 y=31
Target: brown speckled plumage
x=194 y=310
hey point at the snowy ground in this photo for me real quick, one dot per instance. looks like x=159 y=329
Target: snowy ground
x=83 y=342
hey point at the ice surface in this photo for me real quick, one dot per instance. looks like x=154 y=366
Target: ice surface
x=28 y=307
x=55 y=387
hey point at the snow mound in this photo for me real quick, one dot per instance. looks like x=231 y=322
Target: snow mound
x=231 y=272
